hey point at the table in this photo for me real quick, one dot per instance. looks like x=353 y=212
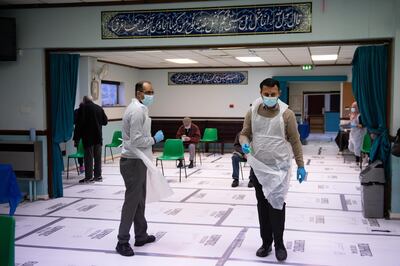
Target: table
x=9 y=190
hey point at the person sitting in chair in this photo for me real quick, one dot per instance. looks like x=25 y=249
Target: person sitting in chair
x=190 y=135
x=238 y=156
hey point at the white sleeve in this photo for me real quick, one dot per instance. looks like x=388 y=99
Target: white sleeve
x=139 y=138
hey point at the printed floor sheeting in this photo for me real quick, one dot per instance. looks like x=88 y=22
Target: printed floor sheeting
x=207 y=222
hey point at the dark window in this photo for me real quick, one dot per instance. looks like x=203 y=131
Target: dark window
x=335 y=103
x=109 y=93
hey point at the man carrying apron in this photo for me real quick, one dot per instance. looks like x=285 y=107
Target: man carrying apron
x=271 y=127
x=143 y=181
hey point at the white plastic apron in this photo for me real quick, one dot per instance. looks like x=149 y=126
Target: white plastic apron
x=271 y=155
x=157 y=187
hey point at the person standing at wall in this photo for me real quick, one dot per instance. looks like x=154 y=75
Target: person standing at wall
x=269 y=129
x=90 y=120
x=190 y=134
x=136 y=150
x=357 y=132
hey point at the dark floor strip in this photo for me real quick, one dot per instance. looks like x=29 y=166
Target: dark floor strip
x=236 y=242
x=114 y=252
x=223 y=217
x=343 y=201
x=190 y=195
x=66 y=205
x=40 y=228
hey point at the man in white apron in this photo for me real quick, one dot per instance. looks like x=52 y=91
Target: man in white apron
x=134 y=165
x=270 y=137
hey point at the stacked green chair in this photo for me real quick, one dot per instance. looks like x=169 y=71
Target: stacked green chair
x=79 y=154
x=7 y=240
x=115 y=143
x=365 y=148
x=173 y=151
x=210 y=135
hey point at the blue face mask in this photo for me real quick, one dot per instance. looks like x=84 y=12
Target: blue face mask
x=270 y=101
x=148 y=100
x=353 y=110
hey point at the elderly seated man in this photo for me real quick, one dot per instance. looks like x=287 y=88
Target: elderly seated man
x=190 y=134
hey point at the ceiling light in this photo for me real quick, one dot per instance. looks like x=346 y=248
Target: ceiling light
x=250 y=59
x=182 y=61
x=325 y=57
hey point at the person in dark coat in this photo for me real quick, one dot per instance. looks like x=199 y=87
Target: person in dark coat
x=90 y=120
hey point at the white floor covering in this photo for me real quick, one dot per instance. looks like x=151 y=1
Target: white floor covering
x=206 y=222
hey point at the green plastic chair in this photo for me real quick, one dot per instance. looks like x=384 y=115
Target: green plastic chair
x=210 y=135
x=7 y=240
x=173 y=151
x=115 y=143
x=365 y=147
x=79 y=154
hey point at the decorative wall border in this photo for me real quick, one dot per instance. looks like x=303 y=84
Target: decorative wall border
x=208 y=78
x=200 y=22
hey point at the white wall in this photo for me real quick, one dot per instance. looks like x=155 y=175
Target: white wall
x=22 y=97
x=128 y=77
x=296 y=90
x=213 y=101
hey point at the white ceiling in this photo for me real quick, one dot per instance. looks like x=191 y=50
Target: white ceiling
x=225 y=57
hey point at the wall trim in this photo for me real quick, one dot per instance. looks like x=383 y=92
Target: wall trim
x=394 y=215
x=17 y=132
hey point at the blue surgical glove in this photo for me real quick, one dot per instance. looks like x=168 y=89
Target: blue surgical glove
x=159 y=136
x=301 y=174
x=246 y=148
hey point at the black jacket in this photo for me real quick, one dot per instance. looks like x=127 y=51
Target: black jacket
x=90 y=119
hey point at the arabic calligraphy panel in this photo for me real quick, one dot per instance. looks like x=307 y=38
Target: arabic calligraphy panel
x=258 y=19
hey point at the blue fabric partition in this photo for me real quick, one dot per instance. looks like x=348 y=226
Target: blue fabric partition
x=63 y=81
x=370 y=91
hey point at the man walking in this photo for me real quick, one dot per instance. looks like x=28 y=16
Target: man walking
x=90 y=120
x=271 y=126
x=137 y=142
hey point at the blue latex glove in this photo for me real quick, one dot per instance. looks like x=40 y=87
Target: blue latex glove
x=246 y=148
x=301 y=174
x=159 y=136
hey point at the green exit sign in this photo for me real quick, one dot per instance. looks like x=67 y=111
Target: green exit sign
x=307 y=67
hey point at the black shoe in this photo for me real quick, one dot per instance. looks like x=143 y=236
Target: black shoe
x=191 y=164
x=97 y=179
x=149 y=239
x=263 y=251
x=124 y=249
x=85 y=180
x=250 y=184
x=235 y=183
x=281 y=253
x=180 y=165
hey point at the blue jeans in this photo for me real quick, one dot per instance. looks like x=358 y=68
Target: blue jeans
x=236 y=159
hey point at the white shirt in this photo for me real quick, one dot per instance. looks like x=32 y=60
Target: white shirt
x=136 y=131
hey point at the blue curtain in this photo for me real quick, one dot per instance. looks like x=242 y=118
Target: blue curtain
x=370 y=91
x=63 y=81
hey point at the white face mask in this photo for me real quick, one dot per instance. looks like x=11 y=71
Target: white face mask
x=270 y=101
x=353 y=110
x=188 y=127
x=148 y=100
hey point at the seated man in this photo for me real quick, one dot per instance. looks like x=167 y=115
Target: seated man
x=190 y=134
x=237 y=157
